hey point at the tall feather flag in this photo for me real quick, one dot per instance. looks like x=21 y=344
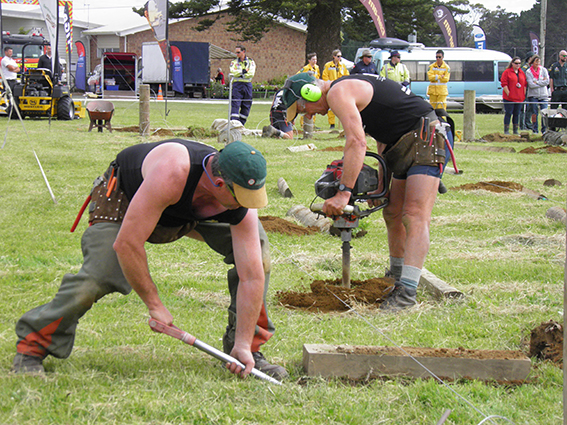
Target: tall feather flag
x=534 y=41
x=375 y=9
x=50 y=11
x=445 y=20
x=479 y=37
x=156 y=13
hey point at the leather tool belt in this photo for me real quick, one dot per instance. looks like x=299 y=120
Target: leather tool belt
x=422 y=146
x=110 y=206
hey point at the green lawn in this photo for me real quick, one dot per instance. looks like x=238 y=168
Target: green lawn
x=499 y=249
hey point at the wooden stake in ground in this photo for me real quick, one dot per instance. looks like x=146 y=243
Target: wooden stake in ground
x=144 y=110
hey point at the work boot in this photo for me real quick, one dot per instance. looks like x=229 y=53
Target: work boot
x=401 y=297
x=442 y=188
x=273 y=370
x=332 y=126
x=269 y=131
x=506 y=129
x=516 y=129
x=27 y=364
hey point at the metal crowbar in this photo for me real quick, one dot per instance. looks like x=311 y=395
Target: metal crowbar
x=187 y=338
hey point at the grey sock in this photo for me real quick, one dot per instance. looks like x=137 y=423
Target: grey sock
x=396 y=265
x=410 y=276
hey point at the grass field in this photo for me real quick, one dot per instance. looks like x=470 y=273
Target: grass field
x=499 y=249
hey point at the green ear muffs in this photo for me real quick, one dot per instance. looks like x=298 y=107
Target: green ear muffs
x=310 y=92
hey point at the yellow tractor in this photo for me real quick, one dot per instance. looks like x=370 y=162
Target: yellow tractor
x=37 y=96
x=37 y=93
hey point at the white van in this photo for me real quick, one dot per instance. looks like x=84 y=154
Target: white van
x=471 y=69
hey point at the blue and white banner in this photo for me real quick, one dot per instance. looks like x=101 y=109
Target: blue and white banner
x=479 y=37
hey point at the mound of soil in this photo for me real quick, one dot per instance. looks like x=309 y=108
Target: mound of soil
x=546 y=342
x=499 y=137
x=493 y=186
x=334 y=149
x=279 y=225
x=190 y=132
x=326 y=295
x=547 y=149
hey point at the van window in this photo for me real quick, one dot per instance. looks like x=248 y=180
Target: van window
x=417 y=70
x=501 y=68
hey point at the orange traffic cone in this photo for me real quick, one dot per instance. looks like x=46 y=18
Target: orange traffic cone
x=159 y=94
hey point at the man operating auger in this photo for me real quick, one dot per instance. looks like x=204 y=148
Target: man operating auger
x=411 y=141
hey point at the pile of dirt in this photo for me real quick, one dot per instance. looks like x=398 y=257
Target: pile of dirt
x=547 y=149
x=279 y=225
x=493 y=186
x=189 y=132
x=546 y=342
x=326 y=295
x=334 y=149
x=499 y=137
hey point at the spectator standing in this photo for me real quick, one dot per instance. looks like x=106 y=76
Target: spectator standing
x=311 y=65
x=9 y=67
x=525 y=119
x=513 y=83
x=242 y=69
x=395 y=70
x=365 y=65
x=538 y=79
x=332 y=71
x=439 y=74
x=558 y=81
x=219 y=78
x=45 y=61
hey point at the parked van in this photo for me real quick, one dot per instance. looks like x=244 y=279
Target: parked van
x=471 y=69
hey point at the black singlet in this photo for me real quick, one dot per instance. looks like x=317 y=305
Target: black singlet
x=393 y=110
x=130 y=162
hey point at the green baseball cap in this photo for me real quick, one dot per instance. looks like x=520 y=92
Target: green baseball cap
x=292 y=92
x=246 y=167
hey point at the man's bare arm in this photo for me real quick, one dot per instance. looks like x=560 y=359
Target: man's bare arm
x=165 y=173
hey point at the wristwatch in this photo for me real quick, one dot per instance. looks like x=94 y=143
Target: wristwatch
x=343 y=188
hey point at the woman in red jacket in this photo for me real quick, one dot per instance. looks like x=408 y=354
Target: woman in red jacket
x=514 y=93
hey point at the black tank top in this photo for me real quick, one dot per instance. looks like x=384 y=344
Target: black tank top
x=393 y=111
x=130 y=163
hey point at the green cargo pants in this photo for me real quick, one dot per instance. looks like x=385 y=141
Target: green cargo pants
x=50 y=329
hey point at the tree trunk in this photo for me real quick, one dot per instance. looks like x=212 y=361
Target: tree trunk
x=324 y=36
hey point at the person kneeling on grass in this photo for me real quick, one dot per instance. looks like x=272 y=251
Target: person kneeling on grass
x=279 y=127
x=159 y=192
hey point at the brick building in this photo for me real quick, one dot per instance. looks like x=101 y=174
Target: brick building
x=280 y=52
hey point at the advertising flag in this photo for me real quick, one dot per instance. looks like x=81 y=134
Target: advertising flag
x=68 y=25
x=156 y=14
x=177 y=73
x=445 y=20
x=375 y=9
x=534 y=42
x=81 y=72
x=479 y=37
x=50 y=11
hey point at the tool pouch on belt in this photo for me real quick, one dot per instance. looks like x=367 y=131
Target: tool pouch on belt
x=105 y=208
x=412 y=150
x=162 y=234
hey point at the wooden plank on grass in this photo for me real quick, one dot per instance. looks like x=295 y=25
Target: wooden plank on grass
x=438 y=287
x=361 y=362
